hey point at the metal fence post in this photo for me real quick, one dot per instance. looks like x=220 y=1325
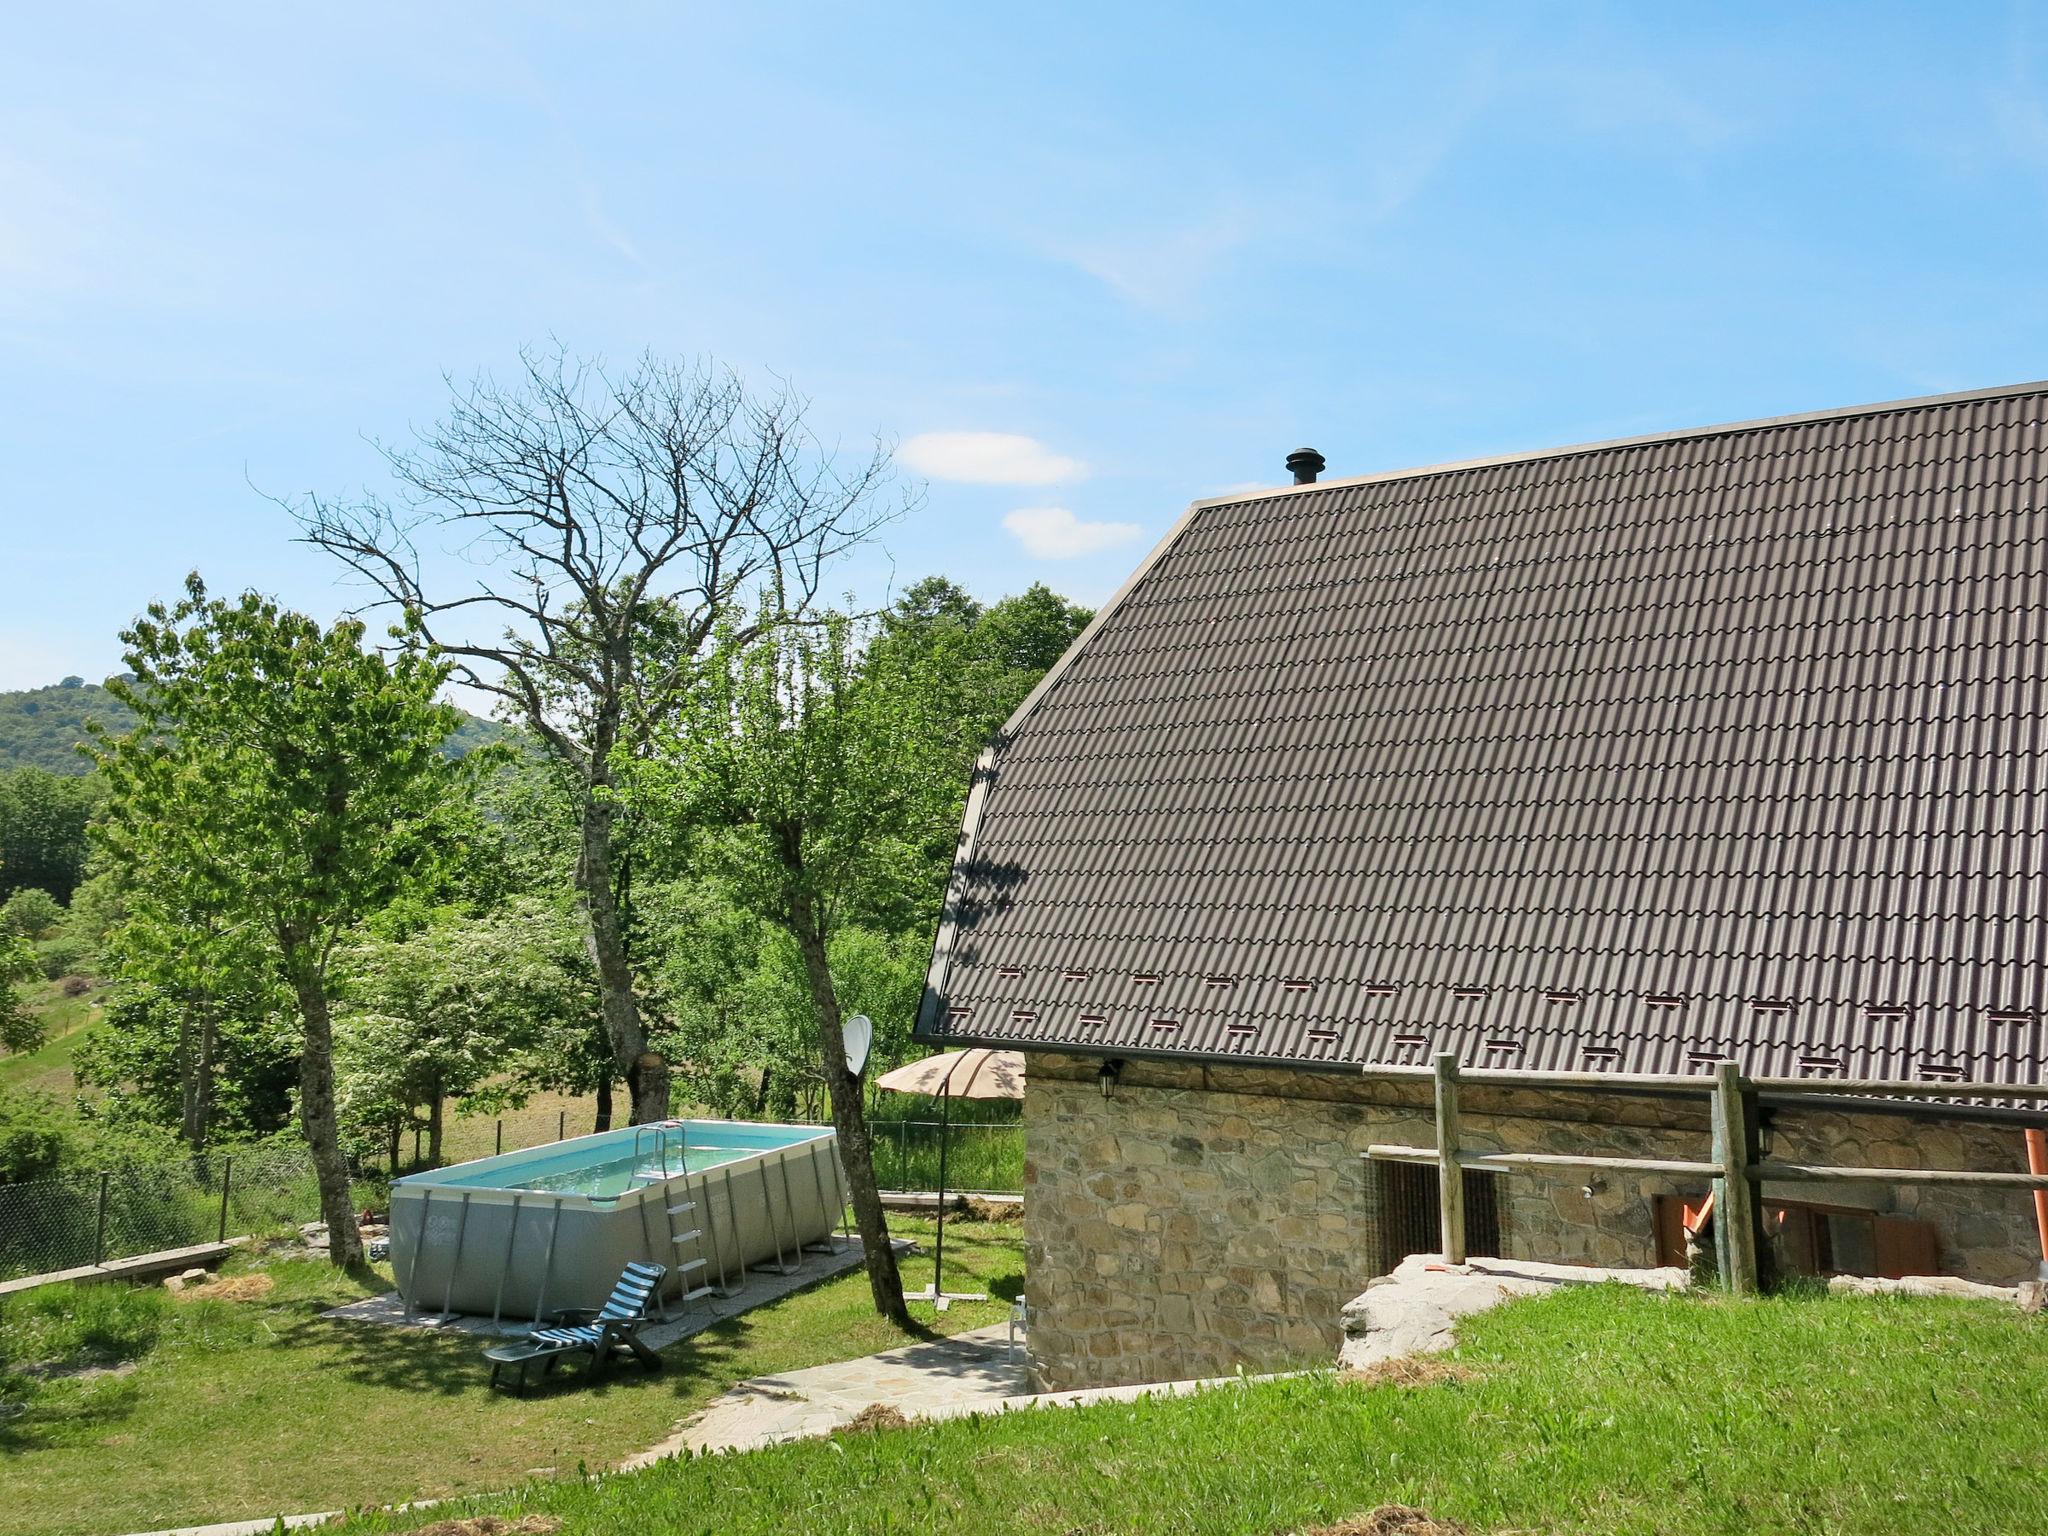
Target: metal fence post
x=1735 y=1208
x=501 y=1137
x=227 y=1174
x=99 y=1232
x=1450 y=1174
x=562 y=1126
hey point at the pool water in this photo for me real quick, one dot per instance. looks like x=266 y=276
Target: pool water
x=609 y=1180
x=614 y=1163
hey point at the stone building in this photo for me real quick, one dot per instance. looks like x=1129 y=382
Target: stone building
x=1621 y=759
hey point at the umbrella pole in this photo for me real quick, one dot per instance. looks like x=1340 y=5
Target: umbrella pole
x=939 y=1246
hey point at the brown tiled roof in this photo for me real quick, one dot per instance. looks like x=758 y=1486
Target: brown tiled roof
x=1631 y=756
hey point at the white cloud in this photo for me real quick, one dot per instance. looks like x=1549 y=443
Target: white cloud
x=1054 y=533
x=988 y=458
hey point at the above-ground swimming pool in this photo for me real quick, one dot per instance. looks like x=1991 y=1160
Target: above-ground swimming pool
x=525 y=1234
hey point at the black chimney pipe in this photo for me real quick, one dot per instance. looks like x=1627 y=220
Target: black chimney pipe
x=1305 y=464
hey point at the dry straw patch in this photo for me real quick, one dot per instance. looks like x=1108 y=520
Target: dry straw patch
x=1392 y=1520
x=1413 y=1371
x=229 y=1288
x=492 y=1525
x=874 y=1416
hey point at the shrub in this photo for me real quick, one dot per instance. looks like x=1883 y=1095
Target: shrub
x=31 y=913
x=63 y=955
x=35 y=1136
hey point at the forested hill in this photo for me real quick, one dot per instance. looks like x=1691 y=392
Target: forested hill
x=42 y=727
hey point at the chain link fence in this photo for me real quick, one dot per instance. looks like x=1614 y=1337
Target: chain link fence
x=90 y=1218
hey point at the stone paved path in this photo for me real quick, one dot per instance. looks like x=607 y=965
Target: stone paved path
x=936 y=1378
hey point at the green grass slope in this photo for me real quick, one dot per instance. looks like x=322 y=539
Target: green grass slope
x=127 y=1410
x=47 y=1068
x=1601 y=1410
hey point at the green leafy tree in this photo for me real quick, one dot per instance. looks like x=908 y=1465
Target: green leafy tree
x=809 y=776
x=218 y=1065
x=30 y=913
x=983 y=660
x=20 y=1027
x=614 y=522
x=482 y=1008
x=43 y=818
x=297 y=782
x=744 y=1022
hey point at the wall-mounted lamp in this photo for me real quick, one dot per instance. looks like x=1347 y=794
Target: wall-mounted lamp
x=1108 y=1073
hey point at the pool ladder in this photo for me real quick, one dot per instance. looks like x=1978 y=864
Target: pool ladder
x=686 y=1246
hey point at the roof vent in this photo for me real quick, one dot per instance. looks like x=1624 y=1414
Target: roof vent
x=1304 y=464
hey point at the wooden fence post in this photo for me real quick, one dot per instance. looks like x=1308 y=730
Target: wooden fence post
x=227 y=1177
x=1735 y=1210
x=1450 y=1176
x=99 y=1231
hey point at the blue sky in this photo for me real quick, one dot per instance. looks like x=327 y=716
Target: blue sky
x=1160 y=245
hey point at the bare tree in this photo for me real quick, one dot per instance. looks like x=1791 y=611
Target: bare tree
x=607 y=524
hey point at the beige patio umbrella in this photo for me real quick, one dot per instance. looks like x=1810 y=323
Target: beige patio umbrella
x=973 y=1074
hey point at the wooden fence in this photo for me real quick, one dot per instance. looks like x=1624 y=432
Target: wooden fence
x=1734 y=1160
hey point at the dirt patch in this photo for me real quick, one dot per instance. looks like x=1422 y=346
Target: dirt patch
x=230 y=1288
x=492 y=1525
x=994 y=1210
x=1392 y=1520
x=874 y=1416
x=1409 y=1371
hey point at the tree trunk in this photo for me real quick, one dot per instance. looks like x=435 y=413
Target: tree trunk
x=644 y=1070
x=397 y=1137
x=434 y=1104
x=188 y=1079
x=316 y=1111
x=199 y=1111
x=849 y=1119
x=604 y=1103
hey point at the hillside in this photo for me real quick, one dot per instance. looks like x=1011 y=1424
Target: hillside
x=42 y=727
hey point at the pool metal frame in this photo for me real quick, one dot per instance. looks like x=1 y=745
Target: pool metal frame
x=433 y=1215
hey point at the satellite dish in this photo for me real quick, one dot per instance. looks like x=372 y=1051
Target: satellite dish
x=858 y=1033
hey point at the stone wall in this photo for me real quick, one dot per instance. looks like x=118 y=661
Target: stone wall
x=1205 y=1218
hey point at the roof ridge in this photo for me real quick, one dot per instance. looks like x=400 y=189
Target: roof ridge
x=1641 y=440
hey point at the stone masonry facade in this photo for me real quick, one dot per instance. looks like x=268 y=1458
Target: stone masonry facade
x=1202 y=1219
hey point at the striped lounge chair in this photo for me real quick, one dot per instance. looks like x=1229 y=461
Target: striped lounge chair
x=600 y=1332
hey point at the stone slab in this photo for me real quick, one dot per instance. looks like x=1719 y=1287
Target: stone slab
x=1933 y=1285
x=141 y=1266
x=1415 y=1309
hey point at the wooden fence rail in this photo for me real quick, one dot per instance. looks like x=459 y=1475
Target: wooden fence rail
x=1735 y=1162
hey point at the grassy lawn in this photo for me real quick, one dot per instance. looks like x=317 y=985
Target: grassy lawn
x=1603 y=1410
x=253 y=1407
